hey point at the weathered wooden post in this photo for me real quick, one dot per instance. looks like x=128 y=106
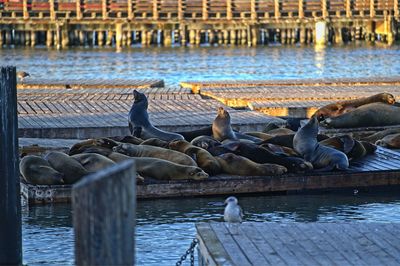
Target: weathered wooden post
x=104 y=206
x=10 y=202
x=118 y=35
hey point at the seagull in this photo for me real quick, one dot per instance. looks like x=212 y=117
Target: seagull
x=233 y=213
x=21 y=75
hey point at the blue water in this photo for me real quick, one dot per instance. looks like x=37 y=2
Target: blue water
x=165 y=228
x=208 y=63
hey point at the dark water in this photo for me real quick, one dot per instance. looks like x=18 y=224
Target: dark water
x=208 y=63
x=165 y=228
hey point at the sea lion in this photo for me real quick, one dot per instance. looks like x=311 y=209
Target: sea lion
x=390 y=141
x=138 y=117
x=354 y=149
x=161 y=169
x=93 y=162
x=261 y=155
x=238 y=165
x=36 y=170
x=280 y=131
x=381 y=134
x=277 y=149
x=221 y=126
x=322 y=157
x=152 y=151
x=127 y=139
x=63 y=163
x=156 y=142
x=287 y=140
x=368 y=115
x=205 y=142
x=101 y=143
x=203 y=158
x=190 y=135
x=261 y=135
x=341 y=107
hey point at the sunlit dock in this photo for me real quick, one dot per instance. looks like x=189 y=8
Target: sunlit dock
x=253 y=243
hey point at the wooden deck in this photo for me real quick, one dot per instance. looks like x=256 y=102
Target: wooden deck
x=87 y=113
x=29 y=83
x=379 y=170
x=252 y=243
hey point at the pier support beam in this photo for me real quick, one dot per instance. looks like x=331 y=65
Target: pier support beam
x=220 y=38
x=167 y=38
x=118 y=36
x=8 y=37
x=192 y=37
x=320 y=33
x=100 y=38
x=49 y=38
x=33 y=38
x=255 y=35
x=64 y=37
x=211 y=37
x=1 y=38
x=10 y=201
x=338 y=35
x=244 y=37
x=302 y=35
x=233 y=37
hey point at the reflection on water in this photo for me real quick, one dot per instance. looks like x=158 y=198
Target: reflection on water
x=207 y=63
x=165 y=228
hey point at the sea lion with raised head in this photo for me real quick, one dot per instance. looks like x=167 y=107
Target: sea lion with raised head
x=138 y=117
x=341 y=107
x=93 y=162
x=38 y=171
x=221 y=126
x=368 y=115
x=156 y=152
x=73 y=171
x=203 y=158
x=238 y=165
x=322 y=157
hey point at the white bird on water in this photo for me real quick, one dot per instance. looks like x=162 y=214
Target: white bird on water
x=233 y=213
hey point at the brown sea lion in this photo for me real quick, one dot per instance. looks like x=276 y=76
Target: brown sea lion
x=155 y=142
x=205 y=142
x=36 y=170
x=287 y=140
x=93 y=162
x=390 y=141
x=341 y=107
x=381 y=134
x=161 y=169
x=152 y=151
x=63 y=163
x=203 y=158
x=261 y=135
x=127 y=139
x=354 y=149
x=322 y=157
x=102 y=143
x=238 y=165
x=368 y=115
x=221 y=126
x=261 y=155
x=280 y=131
x=277 y=149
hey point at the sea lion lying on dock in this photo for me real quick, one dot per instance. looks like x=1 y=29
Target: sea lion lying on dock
x=203 y=158
x=161 y=169
x=390 y=141
x=73 y=171
x=156 y=152
x=287 y=140
x=36 y=170
x=205 y=142
x=322 y=157
x=156 y=142
x=341 y=107
x=238 y=165
x=139 y=118
x=93 y=162
x=353 y=148
x=368 y=115
x=99 y=143
x=381 y=134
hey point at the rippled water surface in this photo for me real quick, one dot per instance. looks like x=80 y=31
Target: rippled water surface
x=208 y=63
x=165 y=228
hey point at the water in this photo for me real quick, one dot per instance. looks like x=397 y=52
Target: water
x=165 y=228
x=208 y=63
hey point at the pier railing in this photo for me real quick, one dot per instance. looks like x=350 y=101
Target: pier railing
x=196 y=9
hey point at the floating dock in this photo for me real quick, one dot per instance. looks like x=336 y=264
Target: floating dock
x=252 y=243
x=378 y=170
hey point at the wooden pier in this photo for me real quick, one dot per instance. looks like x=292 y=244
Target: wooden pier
x=379 y=170
x=252 y=243
x=62 y=23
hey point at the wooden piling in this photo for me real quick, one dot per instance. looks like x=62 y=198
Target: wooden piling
x=1 y=39
x=33 y=38
x=220 y=38
x=104 y=206
x=100 y=38
x=244 y=37
x=198 y=37
x=64 y=37
x=255 y=34
x=8 y=37
x=10 y=201
x=233 y=37
x=118 y=35
x=192 y=37
x=211 y=37
x=226 y=37
x=167 y=38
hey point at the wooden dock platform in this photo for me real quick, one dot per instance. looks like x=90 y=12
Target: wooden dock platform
x=381 y=169
x=29 y=83
x=252 y=243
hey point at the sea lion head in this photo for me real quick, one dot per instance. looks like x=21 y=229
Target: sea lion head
x=389 y=98
x=197 y=173
x=178 y=144
x=138 y=96
x=221 y=112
